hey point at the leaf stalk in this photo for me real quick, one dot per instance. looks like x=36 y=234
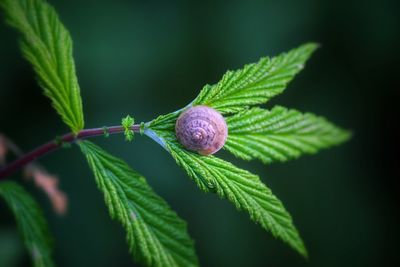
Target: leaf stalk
x=59 y=142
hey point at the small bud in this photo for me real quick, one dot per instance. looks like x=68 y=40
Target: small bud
x=127 y=123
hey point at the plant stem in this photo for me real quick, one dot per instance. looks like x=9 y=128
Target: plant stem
x=59 y=142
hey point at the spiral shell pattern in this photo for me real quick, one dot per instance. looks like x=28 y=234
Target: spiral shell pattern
x=201 y=129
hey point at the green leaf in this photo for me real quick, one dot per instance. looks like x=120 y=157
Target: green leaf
x=256 y=83
x=47 y=45
x=242 y=188
x=156 y=235
x=164 y=122
x=280 y=134
x=31 y=223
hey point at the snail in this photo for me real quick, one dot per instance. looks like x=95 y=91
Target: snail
x=201 y=129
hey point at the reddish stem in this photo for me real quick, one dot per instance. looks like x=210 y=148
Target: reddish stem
x=59 y=142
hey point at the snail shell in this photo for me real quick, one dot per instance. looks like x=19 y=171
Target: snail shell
x=201 y=129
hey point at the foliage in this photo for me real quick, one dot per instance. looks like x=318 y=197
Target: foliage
x=276 y=135
x=280 y=134
x=156 y=235
x=31 y=223
x=244 y=189
x=47 y=45
x=255 y=83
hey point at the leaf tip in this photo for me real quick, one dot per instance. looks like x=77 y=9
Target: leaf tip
x=309 y=48
x=346 y=136
x=303 y=252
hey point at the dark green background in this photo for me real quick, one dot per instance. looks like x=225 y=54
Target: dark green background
x=147 y=58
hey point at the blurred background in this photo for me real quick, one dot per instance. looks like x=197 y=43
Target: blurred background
x=147 y=58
